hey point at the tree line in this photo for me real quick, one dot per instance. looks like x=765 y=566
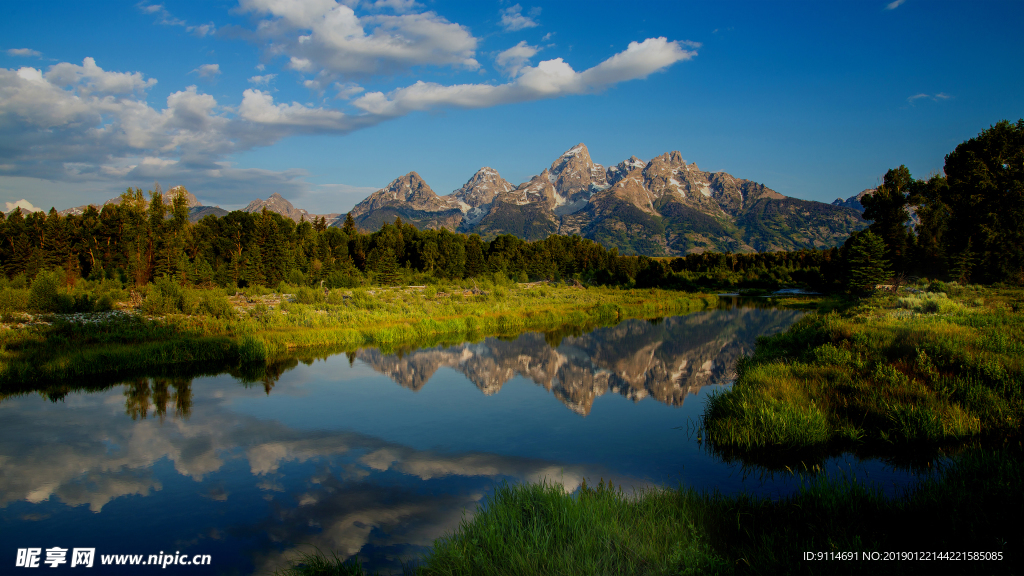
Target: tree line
x=969 y=224
x=969 y=227
x=139 y=240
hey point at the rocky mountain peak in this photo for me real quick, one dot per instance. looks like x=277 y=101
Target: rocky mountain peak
x=619 y=171
x=409 y=188
x=575 y=177
x=668 y=174
x=277 y=203
x=578 y=156
x=855 y=201
x=407 y=192
x=481 y=189
x=192 y=200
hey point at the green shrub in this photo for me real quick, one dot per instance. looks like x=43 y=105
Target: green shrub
x=309 y=296
x=104 y=303
x=336 y=297
x=13 y=300
x=46 y=294
x=167 y=297
x=216 y=305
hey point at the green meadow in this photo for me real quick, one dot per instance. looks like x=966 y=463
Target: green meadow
x=176 y=326
x=936 y=367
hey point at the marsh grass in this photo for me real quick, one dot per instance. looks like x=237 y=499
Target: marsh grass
x=860 y=378
x=181 y=326
x=967 y=503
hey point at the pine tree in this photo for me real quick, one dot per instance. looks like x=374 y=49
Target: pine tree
x=866 y=263
x=349 y=228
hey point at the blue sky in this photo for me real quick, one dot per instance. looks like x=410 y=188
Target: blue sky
x=325 y=102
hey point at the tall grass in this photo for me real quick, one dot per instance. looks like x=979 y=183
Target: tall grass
x=874 y=378
x=183 y=325
x=968 y=504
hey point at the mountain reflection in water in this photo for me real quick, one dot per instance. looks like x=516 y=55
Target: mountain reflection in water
x=666 y=359
x=328 y=453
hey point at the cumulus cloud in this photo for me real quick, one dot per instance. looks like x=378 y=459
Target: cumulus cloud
x=548 y=79
x=208 y=71
x=27 y=52
x=513 y=60
x=894 y=4
x=25 y=206
x=328 y=37
x=84 y=124
x=89 y=79
x=512 y=18
x=262 y=80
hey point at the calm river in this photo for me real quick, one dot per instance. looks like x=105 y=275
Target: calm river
x=368 y=453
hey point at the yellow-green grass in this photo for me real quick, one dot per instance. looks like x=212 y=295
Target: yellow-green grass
x=386 y=318
x=891 y=372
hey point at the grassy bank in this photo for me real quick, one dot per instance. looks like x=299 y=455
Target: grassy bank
x=969 y=505
x=177 y=326
x=941 y=366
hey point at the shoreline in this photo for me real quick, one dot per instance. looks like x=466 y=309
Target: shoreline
x=61 y=351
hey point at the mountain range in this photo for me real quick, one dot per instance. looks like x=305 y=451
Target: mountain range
x=661 y=207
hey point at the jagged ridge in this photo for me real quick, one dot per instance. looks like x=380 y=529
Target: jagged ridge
x=661 y=207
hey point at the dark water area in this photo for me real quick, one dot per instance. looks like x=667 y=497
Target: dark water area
x=371 y=454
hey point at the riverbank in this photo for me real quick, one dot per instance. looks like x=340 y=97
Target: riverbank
x=959 y=520
x=181 y=327
x=938 y=366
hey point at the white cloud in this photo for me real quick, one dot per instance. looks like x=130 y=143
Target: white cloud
x=208 y=71
x=202 y=30
x=348 y=90
x=894 y=4
x=89 y=79
x=512 y=19
x=89 y=126
x=264 y=80
x=511 y=61
x=935 y=98
x=27 y=52
x=258 y=107
x=549 y=79
x=322 y=35
x=398 y=6
x=163 y=16
x=25 y=206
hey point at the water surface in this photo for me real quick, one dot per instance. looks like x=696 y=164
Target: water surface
x=369 y=453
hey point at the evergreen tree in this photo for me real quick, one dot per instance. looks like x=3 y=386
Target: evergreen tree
x=475 y=264
x=887 y=208
x=985 y=197
x=384 y=263
x=866 y=263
